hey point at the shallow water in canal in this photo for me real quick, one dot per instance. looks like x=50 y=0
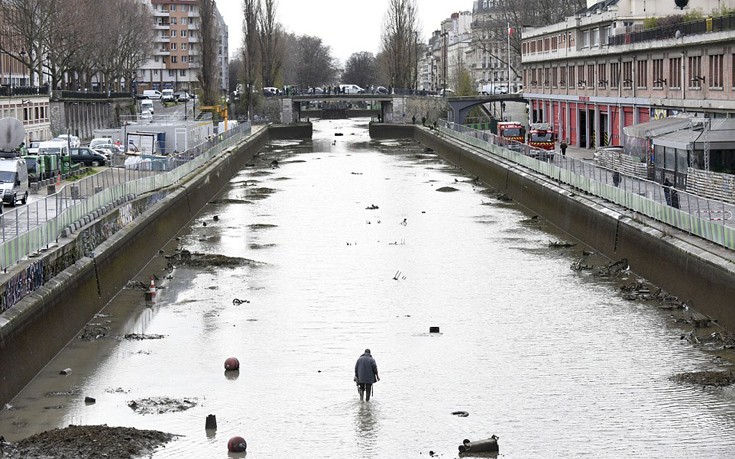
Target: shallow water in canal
x=551 y=360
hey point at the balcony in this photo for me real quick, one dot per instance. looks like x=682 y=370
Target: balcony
x=719 y=24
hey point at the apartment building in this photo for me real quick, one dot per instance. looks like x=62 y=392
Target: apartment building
x=490 y=58
x=602 y=69
x=177 y=47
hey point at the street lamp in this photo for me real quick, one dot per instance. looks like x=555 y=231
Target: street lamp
x=444 y=63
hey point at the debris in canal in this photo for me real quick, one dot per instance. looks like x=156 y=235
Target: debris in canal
x=94 y=331
x=461 y=414
x=90 y=400
x=707 y=378
x=488 y=445
x=160 y=405
x=87 y=442
x=372 y=207
x=447 y=189
x=561 y=244
x=141 y=337
x=202 y=260
x=237 y=301
x=434 y=330
x=65 y=372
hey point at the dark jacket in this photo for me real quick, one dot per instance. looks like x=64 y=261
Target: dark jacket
x=366 y=370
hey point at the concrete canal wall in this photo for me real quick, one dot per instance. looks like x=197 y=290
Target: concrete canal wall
x=683 y=265
x=36 y=328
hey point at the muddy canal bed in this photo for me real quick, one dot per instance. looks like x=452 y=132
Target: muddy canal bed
x=557 y=351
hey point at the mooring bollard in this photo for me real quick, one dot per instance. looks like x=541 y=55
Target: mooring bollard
x=211 y=423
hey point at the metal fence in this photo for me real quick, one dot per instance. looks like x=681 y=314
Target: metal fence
x=35 y=226
x=709 y=219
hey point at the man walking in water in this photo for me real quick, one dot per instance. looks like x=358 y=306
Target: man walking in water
x=366 y=373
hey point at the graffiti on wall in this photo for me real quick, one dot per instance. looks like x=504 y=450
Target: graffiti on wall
x=22 y=284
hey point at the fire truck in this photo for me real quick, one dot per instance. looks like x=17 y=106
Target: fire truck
x=541 y=136
x=514 y=133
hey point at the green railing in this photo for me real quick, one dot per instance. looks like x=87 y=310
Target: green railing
x=706 y=218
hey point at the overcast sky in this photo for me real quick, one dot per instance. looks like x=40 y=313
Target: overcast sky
x=346 y=26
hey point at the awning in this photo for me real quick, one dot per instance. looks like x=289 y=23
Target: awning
x=658 y=127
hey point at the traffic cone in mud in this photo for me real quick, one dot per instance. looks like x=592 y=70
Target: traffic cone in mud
x=150 y=295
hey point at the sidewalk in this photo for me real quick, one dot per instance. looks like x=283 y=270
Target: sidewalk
x=578 y=152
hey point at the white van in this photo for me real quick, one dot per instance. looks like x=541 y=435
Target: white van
x=71 y=139
x=350 y=89
x=152 y=94
x=53 y=147
x=146 y=107
x=13 y=180
x=167 y=95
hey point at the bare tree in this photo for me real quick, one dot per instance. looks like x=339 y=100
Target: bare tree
x=251 y=10
x=398 y=42
x=361 y=69
x=23 y=25
x=315 y=62
x=208 y=74
x=270 y=40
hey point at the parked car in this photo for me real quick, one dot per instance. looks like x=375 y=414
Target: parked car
x=269 y=91
x=182 y=96
x=381 y=90
x=87 y=156
x=99 y=141
x=108 y=151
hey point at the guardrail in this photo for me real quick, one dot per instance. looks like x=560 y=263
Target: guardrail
x=709 y=219
x=31 y=228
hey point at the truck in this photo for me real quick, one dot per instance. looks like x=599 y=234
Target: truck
x=541 y=137
x=490 y=89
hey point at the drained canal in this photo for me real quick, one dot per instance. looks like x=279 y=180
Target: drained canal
x=350 y=243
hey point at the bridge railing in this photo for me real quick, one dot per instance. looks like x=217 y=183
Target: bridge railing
x=33 y=227
x=709 y=219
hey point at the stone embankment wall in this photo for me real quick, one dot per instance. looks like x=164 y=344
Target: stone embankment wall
x=86 y=276
x=83 y=116
x=663 y=255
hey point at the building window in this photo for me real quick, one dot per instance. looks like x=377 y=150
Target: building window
x=173 y=46
x=604 y=35
x=173 y=33
x=590 y=76
x=173 y=21
x=642 y=74
x=173 y=59
x=585 y=39
x=571 y=81
x=715 y=71
x=183 y=33
x=615 y=75
x=182 y=72
x=155 y=72
x=183 y=46
x=172 y=7
x=602 y=75
x=554 y=80
x=658 y=73
x=695 y=72
x=628 y=75
x=580 y=72
x=172 y=73
x=184 y=58
x=595 y=37
x=562 y=76
x=674 y=79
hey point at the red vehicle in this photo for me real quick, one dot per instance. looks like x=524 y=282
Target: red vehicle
x=512 y=130
x=541 y=135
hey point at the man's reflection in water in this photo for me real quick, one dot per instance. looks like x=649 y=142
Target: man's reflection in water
x=366 y=425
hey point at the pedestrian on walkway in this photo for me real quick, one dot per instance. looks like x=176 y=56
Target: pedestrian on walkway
x=563 y=147
x=616 y=178
x=366 y=374
x=667 y=192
